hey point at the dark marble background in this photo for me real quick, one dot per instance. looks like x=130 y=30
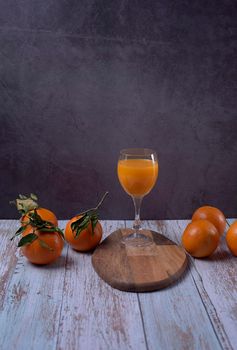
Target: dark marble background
x=79 y=80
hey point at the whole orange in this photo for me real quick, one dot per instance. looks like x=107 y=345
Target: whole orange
x=86 y=240
x=212 y=214
x=200 y=238
x=43 y=250
x=45 y=214
x=231 y=238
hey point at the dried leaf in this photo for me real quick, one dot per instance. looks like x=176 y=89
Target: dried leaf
x=34 y=197
x=22 y=196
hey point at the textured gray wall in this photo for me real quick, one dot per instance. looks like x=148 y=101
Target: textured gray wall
x=79 y=80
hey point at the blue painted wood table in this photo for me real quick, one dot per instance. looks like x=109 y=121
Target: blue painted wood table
x=67 y=306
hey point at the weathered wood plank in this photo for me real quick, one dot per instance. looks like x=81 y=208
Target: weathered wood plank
x=95 y=316
x=32 y=304
x=176 y=318
x=8 y=258
x=191 y=314
x=216 y=280
x=211 y=278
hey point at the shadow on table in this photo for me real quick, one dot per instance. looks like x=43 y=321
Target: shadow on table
x=58 y=264
x=219 y=256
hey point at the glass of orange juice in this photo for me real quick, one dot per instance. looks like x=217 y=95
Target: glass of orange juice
x=137 y=173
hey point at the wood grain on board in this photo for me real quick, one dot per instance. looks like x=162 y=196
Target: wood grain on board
x=139 y=269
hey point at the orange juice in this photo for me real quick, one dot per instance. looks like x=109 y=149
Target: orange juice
x=137 y=176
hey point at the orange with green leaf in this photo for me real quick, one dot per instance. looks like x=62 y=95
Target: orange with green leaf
x=84 y=231
x=41 y=242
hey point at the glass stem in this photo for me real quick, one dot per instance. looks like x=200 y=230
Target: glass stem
x=137 y=205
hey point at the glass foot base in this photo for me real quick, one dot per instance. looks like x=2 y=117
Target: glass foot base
x=136 y=240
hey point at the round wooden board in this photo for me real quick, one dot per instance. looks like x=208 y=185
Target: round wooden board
x=140 y=269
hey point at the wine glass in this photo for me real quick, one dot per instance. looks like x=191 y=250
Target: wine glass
x=137 y=172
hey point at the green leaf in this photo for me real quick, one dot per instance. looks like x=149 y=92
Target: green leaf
x=86 y=217
x=94 y=220
x=43 y=244
x=42 y=225
x=35 y=217
x=52 y=229
x=46 y=229
x=81 y=224
x=60 y=232
x=18 y=232
x=77 y=222
x=31 y=237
